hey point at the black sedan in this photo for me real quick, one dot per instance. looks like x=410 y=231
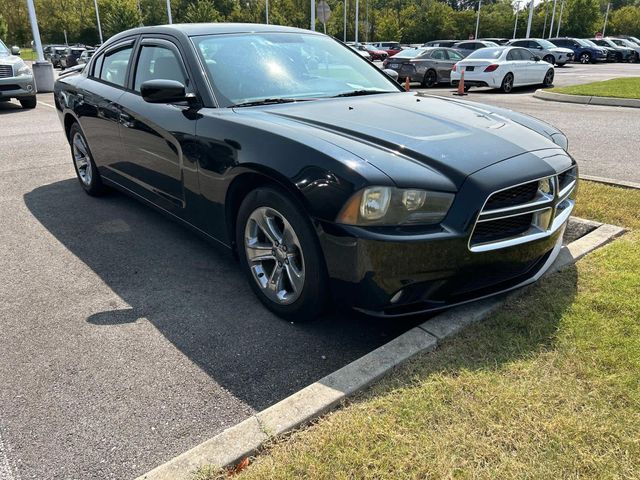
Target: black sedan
x=314 y=167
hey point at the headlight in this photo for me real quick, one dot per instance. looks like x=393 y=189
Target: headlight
x=395 y=206
x=23 y=71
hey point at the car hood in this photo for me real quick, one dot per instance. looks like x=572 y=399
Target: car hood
x=402 y=129
x=561 y=50
x=10 y=60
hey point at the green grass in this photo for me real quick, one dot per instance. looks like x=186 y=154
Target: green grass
x=618 y=87
x=548 y=387
x=28 y=54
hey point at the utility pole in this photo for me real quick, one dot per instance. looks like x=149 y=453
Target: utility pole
x=606 y=17
x=478 y=19
x=313 y=15
x=553 y=16
x=267 y=12
x=169 y=12
x=366 y=37
x=345 y=22
x=515 y=25
x=42 y=70
x=530 y=19
x=546 y=14
x=357 y=13
x=95 y=3
x=560 y=18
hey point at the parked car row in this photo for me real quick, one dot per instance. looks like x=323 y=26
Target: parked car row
x=65 y=56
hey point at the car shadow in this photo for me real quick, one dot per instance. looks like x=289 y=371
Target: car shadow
x=9 y=107
x=197 y=297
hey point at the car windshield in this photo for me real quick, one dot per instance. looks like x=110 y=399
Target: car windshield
x=545 y=44
x=410 y=53
x=283 y=66
x=591 y=44
x=3 y=49
x=488 y=53
x=582 y=42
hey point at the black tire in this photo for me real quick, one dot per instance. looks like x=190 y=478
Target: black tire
x=507 y=83
x=585 y=57
x=548 y=78
x=430 y=79
x=28 y=102
x=562 y=64
x=94 y=185
x=311 y=300
x=549 y=59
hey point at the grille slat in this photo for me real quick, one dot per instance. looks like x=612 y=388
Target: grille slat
x=6 y=71
x=499 y=229
x=513 y=196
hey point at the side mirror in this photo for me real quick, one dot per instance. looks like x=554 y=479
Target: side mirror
x=391 y=74
x=539 y=47
x=163 y=91
x=536 y=58
x=15 y=51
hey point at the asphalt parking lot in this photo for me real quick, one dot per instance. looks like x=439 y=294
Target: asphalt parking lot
x=127 y=340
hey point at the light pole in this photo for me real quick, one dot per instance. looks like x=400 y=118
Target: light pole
x=606 y=17
x=345 y=21
x=560 y=18
x=357 y=12
x=169 y=12
x=515 y=25
x=313 y=15
x=95 y=3
x=553 y=16
x=546 y=14
x=42 y=70
x=267 y=12
x=530 y=19
x=478 y=19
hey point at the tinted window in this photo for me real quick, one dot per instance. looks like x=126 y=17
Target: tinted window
x=454 y=55
x=519 y=43
x=438 y=55
x=524 y=54
x=158 y=63
x=466 y=46
x=114 y=66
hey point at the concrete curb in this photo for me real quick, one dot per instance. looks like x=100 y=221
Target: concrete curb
x=611 y=181
x=587 y=99
x=245 y=438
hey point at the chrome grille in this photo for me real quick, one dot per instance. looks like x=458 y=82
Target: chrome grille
x=6 y=71
x=524 y=212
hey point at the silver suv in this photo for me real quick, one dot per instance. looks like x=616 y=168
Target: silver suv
x=545 y=50
x=16 y=79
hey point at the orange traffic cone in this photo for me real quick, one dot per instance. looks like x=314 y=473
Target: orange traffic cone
x=407 y=84
x=461 y=91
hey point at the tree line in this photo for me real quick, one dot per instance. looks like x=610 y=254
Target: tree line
x=408 y=21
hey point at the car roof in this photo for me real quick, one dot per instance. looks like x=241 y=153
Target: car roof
x=195 y=29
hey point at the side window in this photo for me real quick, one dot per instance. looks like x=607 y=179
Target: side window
x=438 y=55
x=511 y=56
x=518 y=43
x=158 y=63
x=97 y=66
x=525 y=54
x=455 y=56
x=466 y=46
x=114 y=66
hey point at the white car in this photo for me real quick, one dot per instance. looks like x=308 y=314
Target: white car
x=503 y=68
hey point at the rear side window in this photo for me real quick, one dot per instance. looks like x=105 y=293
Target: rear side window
x=438 y=55
x=114 y=67
x=158 y=63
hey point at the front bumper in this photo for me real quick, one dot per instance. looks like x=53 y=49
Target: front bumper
x=402 y=273
x=14 y=87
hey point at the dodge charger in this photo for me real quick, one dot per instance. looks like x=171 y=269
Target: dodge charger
x=314 y=167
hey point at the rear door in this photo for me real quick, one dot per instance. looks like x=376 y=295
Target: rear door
x=518 y=59
x=155 y=136
x=441 y=63
x=453 y=57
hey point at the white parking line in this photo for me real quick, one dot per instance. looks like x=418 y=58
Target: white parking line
x=5 y=468
x=48 y=105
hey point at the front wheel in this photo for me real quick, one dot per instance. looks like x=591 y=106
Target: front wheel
x=507 y=83
x=548 y=78
x=85 y=167
x=549 y=59
x=28 y=102
x=281 y=256
x=585 y=58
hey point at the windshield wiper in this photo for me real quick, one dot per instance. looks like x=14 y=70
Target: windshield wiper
x=357 y=93
x=269 y=101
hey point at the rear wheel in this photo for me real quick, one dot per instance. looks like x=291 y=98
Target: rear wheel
x=280 y=254
x=507 y=83
x=430 y=79
x=562 y=64
x=28 y=102
x=548 y=78
x=85 y=167
x=585 y=57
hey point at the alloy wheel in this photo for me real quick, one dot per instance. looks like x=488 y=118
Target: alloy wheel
x=274 y=255
x=82 y=159
x=430 y=78
x=507 y=83
x=548 y=78
x=585 y=58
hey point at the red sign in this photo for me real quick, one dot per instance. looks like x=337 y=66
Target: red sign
x=598 y=36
